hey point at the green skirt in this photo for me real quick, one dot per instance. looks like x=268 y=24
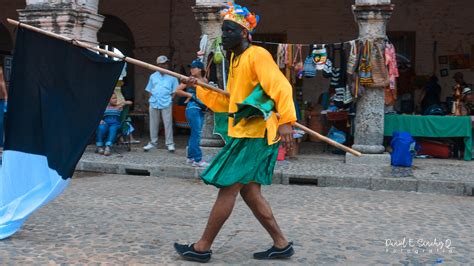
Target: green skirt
x=242 y=160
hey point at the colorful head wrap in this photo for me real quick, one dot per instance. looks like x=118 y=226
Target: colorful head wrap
x=240 y=15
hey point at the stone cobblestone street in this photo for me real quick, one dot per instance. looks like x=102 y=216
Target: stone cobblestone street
x=120 y=219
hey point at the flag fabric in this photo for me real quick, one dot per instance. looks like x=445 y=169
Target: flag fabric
x=57 y=96
x=257 y=104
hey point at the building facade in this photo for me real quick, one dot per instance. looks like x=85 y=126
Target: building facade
x=145 y=29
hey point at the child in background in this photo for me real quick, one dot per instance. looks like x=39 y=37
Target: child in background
x=110 y=123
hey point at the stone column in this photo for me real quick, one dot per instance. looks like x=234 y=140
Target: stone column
x=76 y=19
x=207 y=14
x=372 y=17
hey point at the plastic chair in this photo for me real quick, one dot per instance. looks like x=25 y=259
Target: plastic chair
x=179 y=116
x=125 y=127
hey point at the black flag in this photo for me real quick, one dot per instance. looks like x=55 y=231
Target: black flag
x=57 y=96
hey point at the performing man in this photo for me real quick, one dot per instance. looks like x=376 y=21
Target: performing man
x=248 y=159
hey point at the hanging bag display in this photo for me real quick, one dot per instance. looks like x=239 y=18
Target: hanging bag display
x=309 y=67
x=379 y=69
x=298 y=62
x=347 y=95
x=352 y=61
x=365 y=67
x=281 y=55
x=320 y=56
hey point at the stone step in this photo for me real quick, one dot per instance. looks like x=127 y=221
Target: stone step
x=286 y=177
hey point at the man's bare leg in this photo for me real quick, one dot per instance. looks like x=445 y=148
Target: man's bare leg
x=220 y=212
x=253 y=197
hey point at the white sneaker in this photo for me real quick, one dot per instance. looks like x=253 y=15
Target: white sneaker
x=189 y=161
x=148 y=147
x=171 y=148
x=201 y=164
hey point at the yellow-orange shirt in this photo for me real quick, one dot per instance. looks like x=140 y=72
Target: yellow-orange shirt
x=254 y=66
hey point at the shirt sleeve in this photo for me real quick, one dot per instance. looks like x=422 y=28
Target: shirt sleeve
x=275 y=85
x=215 y=101
x=149 y=86
x=174 y=85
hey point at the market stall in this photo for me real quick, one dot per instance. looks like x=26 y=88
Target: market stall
x=432 y=126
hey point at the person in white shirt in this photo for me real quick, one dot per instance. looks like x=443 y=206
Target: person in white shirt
x=161 y=88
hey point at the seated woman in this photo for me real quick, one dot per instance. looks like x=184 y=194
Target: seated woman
x=467 y=105
x=194 y=114
x=110 y=123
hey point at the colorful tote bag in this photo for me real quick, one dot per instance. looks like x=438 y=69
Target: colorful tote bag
x=309 y=67
x=320 y=56
x=353 y=56
x=379 y=69
x=365 y=66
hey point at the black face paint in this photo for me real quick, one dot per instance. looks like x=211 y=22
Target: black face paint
x=231 y=35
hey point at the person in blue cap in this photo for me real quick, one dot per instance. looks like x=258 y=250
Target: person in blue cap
x=194 y=114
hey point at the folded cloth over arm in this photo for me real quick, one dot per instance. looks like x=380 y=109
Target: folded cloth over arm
x=253 y=79
x=257 y=104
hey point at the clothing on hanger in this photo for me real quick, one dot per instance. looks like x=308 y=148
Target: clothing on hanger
x=391 y=62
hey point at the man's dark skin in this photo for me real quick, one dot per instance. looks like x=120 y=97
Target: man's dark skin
x=235 y=39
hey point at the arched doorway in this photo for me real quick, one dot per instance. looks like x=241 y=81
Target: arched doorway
x=116 y=33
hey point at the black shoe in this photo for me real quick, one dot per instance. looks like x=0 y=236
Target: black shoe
x=187 y=252
x=275 y=253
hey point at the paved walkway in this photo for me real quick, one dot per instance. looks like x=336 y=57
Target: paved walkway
x=119 y=219
x=452 y=177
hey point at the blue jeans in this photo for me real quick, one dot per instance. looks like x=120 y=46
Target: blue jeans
x=112 y=125
x=2 y=113
x=195 y=117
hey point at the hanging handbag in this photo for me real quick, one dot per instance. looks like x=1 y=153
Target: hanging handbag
x=365 y=67
x=298 y=65
x=281 y=55
x=218 y=55
x=347 y=95
x=352 y=61
x=320 y=57
x=309 y=67
x=379 y=69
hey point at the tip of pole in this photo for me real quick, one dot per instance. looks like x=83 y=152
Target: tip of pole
x=11 y=21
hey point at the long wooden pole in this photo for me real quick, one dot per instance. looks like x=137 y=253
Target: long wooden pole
x=112 y=54
x=168 y=72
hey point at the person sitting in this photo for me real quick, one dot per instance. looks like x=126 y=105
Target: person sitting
x=111 y=123
x=121 y=101
x=467 y=105
x=432 y=92
x=194 y=114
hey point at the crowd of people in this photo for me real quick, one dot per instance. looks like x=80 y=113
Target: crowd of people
x=461 y=102
x=162 y=89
